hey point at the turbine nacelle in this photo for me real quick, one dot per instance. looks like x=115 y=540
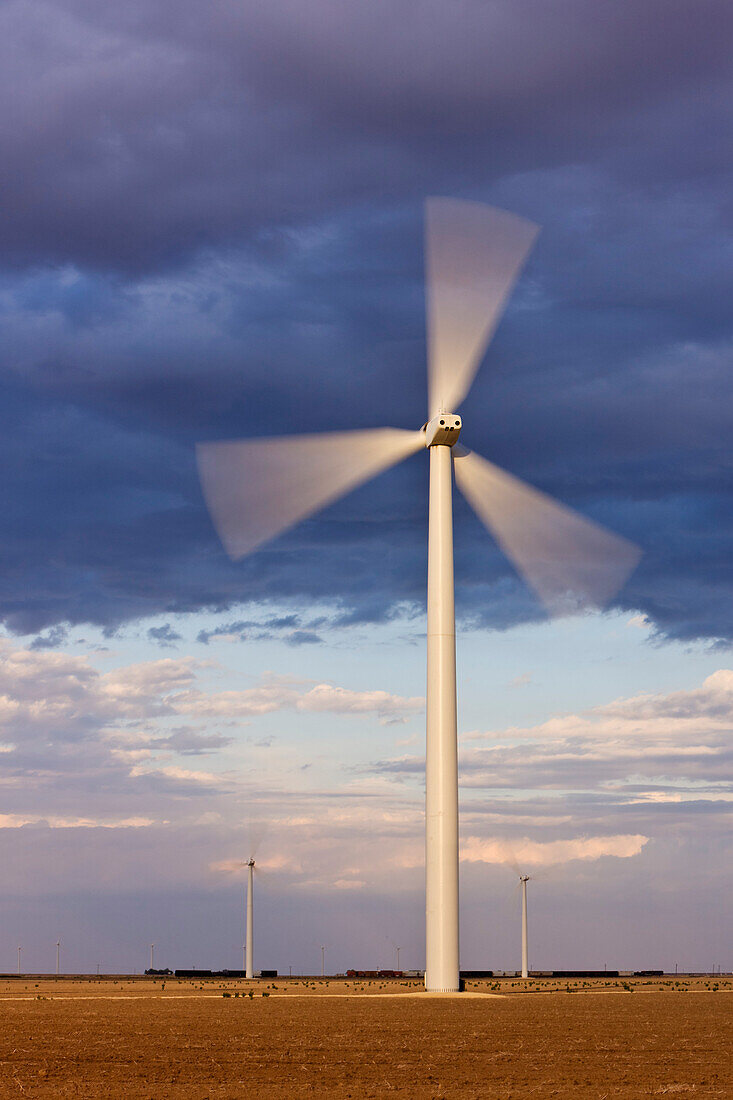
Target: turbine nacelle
x=443 y=430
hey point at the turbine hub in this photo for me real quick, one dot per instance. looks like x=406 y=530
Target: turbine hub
x=443 y=430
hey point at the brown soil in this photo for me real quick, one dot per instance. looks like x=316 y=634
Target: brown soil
x=129 y=1039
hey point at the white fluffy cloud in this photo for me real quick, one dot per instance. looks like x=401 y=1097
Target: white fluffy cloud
x=679 y=743
x=42 y=691
x=525 y=852
x=17 y=821
x=581 y=787
x=389 y=708
x=70 y=731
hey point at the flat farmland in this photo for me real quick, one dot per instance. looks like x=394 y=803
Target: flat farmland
x=130 y=1038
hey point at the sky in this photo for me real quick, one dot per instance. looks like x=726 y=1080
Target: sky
x=211 y=228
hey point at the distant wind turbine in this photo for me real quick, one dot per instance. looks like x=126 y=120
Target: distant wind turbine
x=524 y=879
x=249 y=939
x=256 y=488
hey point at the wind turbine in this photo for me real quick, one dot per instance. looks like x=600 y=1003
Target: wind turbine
x=249 y=944
x=524 y=879
x=256 y=488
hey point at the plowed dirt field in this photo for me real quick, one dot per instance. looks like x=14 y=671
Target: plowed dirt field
x=132 y=1039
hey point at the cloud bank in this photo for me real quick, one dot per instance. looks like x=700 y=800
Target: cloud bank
x=621 y=800
x=211 y=228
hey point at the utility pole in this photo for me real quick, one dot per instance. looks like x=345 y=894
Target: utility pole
x=58 y=953
x=19 y=959
x=323 y=961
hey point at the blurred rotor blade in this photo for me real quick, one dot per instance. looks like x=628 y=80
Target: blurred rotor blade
x=568 y=560
x=257 y=488
x=256 y=832
x=473 y=256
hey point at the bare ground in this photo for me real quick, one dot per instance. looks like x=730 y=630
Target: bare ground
x=135 y=1039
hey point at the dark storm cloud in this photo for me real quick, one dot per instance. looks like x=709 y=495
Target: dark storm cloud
x=303 y=637
x=52 y=639
x=211 y=227
x=164 y=636
x=138 y=134
x=286 y=628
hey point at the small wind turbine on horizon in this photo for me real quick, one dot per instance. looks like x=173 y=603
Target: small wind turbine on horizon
x=524 y=879
x=249 y=938
x=256 y=488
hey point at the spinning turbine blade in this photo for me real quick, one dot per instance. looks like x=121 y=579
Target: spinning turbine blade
x=568 y=560
x=473 y=256
x=256 y=832
x=257 y=488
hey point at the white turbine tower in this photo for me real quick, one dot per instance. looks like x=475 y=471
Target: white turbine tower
x=524 y=879
x=256 y=488
x=249 y=941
